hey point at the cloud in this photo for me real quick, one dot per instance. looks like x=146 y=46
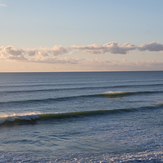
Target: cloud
x=36 y=52
x=41 y=55
x=3 y=5
x=153 y=46
x=52 y=55
x=111 y=47
x=12 y=51
x=57 y=50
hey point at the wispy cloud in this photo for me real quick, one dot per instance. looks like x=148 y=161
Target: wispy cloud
x=3 y=5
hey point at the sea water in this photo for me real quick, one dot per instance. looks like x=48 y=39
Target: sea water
x=81 y=117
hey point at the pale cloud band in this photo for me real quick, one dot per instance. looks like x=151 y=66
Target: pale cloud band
x=48 y=55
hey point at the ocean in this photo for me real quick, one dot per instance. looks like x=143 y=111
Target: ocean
x=82 y=117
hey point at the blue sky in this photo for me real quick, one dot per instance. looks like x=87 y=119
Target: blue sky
x=87 y=35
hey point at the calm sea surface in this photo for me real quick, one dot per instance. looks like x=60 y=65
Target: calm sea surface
x=81 y=117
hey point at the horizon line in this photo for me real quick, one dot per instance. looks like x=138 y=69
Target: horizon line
x=82 y=71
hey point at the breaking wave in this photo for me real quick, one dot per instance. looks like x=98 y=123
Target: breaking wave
x=33 y=117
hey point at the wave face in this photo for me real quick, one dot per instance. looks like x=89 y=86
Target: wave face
x=81 y=117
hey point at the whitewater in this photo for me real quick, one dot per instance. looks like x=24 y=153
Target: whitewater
x=81 y=117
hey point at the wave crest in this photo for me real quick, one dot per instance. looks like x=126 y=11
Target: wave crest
x=16 y=117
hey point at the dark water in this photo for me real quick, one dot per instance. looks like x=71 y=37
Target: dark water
x=81 y=117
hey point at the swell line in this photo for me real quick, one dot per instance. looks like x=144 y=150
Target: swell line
x=77 y=88
x=109 y=94
x=51 y=90
x=50 y=99
x=37 y=85
x=33 y=118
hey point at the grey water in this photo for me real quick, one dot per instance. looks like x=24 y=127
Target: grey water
x=81 y=117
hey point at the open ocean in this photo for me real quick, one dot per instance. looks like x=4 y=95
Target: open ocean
x=81 y=117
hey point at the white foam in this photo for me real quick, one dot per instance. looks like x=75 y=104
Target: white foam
x=24 y=116
x=28 y=116
x=112 y=92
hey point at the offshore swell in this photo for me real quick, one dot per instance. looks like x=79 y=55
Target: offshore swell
x=66 y=117
x=109 y=94
x=71 y=88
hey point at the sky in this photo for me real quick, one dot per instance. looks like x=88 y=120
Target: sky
x=87 y=35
